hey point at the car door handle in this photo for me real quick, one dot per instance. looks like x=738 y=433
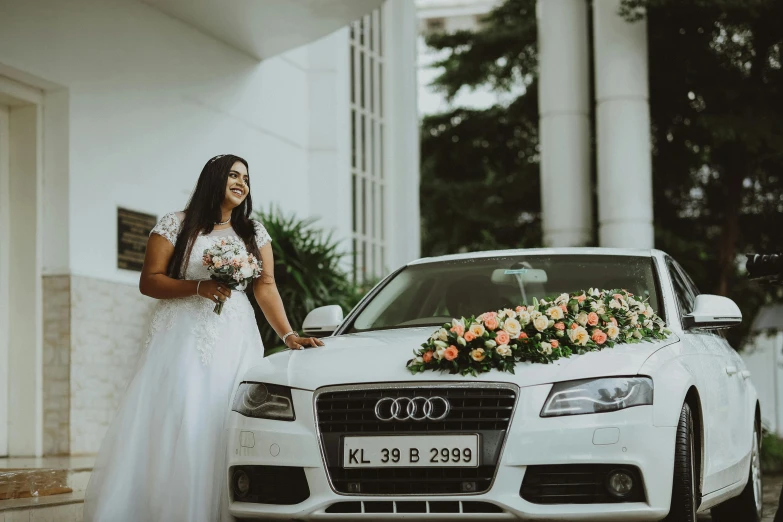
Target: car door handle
x=731 y=370
x=745 y=374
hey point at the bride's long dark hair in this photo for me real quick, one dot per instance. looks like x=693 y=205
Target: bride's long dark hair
x=203 y=211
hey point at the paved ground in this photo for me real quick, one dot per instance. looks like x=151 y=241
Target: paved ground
x=772 y=486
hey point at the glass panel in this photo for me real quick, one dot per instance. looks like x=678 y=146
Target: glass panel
x=362 y=141
x=362 y=84
x=355 y=267
x=353 y=201
x=364 y=206
x=500 y=282
x=353 y=138
x=353 y=74
x=380 y=31
x=371 y=85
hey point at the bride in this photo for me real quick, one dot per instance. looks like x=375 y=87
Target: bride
x=163 y=458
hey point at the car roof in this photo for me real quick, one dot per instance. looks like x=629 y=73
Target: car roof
x=584 y=251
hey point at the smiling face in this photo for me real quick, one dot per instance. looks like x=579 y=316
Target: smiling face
x=237 y=185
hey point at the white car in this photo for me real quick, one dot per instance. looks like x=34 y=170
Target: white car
x=636 y=432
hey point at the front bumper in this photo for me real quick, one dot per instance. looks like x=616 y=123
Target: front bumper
x=625 y=437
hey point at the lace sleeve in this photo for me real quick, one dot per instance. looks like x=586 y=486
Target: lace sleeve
x=168 y=227
x=262 y=236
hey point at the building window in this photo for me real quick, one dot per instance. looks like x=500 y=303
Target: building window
x=367 y=135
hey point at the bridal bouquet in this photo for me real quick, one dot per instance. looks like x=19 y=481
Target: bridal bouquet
x=542 y=332
x=229 y=263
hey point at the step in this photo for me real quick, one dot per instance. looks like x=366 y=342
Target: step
x=47 y=489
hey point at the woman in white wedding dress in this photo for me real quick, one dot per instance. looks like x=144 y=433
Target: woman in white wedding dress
x=163 y=457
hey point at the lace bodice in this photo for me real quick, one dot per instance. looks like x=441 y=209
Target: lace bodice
x=169 y=227
x=204 y=322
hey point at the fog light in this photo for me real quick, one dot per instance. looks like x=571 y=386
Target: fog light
x=354 y=487
x=241 y=484
x=469 y=487
x=619 y=483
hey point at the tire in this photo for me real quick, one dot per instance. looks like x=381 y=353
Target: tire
x=748 y=505
x=686 y=479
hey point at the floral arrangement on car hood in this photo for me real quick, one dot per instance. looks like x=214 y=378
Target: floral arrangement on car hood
x=542 y=332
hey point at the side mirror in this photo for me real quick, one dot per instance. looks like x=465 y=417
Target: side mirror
x=323 y=321
x=712 y=311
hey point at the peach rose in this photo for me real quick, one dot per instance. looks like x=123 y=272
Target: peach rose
x=564 y=308
x=574 y=326
x=491 y=322
x=458 y=329
x=599 y=337
x=613 y=321
x=522 y=335
x=560 y=325
x=478 y=354
x=502 y=337
x=617 y=296
x=427 y=357
x=592 y=318
x=519 y=309
x=470 y=336
x=450 y=353
x=555 y=343
x=581 y=298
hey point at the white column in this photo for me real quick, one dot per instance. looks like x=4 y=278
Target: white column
x=401 y=148
x=623 y=129
x=563 y=92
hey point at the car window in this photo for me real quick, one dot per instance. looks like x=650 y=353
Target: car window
x=427 y=294
x=683 y=291
x=688 y=280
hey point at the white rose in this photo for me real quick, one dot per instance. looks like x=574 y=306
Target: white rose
x=648 y=311
x=489 y=343
x=581 y=318
x=477 y=329
x=478 y=354
x=555 y=313
x=524 y=318
x=503 y=350
x=634 y=319
x=246 y=271
x=535 y=314
x=615 y=304
x=612 y=331
x=562 y=299
x=546 y=348
x=531 y=309
x=461 y=341
x=579 y=336
x=541 y=323
x=511 y=314
x=637 y=334
x=513 y=327
x=419 y=360
x=647 y=323
x=443 y=335
x=440 y=344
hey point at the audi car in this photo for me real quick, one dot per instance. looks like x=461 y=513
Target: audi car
x=648 y=431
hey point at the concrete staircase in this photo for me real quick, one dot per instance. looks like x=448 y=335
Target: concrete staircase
x=49 y=489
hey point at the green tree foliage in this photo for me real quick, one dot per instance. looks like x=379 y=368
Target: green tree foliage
x=308 y=271
x=716 y=103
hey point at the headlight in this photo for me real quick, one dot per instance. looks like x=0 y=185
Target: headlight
x=264 y=401
x=597 y=395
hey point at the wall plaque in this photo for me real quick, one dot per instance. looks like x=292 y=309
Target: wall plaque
x=133 y=230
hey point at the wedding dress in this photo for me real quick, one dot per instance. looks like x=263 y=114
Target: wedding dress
x=164 y=455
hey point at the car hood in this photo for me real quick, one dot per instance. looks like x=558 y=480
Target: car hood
x=380 y=356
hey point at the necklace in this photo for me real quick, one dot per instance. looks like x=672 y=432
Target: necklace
x=224 y=222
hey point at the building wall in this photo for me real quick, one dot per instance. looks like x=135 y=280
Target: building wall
x=135 y=103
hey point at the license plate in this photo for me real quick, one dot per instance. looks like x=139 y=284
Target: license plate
x=411 y=451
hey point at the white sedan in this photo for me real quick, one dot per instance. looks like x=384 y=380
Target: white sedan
x=649 y=431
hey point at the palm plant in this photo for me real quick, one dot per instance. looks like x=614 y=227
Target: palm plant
x=307 y=270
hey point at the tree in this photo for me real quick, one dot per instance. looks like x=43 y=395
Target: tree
x=716 y=104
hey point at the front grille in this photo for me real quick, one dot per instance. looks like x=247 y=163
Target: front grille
x=472 y=410
x=409 y=506
x=485 y=410
x=576 y=484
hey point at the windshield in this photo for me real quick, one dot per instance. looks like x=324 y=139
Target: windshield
x=434 y=293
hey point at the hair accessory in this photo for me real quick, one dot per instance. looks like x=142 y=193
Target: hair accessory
x=216 y=158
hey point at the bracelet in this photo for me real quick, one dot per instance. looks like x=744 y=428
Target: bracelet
x=286 y=336
x=197 y=285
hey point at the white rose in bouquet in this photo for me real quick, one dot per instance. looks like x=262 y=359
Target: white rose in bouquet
x=541 y=323
x=503 y=350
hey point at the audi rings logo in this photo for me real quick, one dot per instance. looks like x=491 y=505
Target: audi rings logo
x=412 y=408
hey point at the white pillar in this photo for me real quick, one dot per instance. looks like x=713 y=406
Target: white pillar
x=623 y=129
x=564 y=127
